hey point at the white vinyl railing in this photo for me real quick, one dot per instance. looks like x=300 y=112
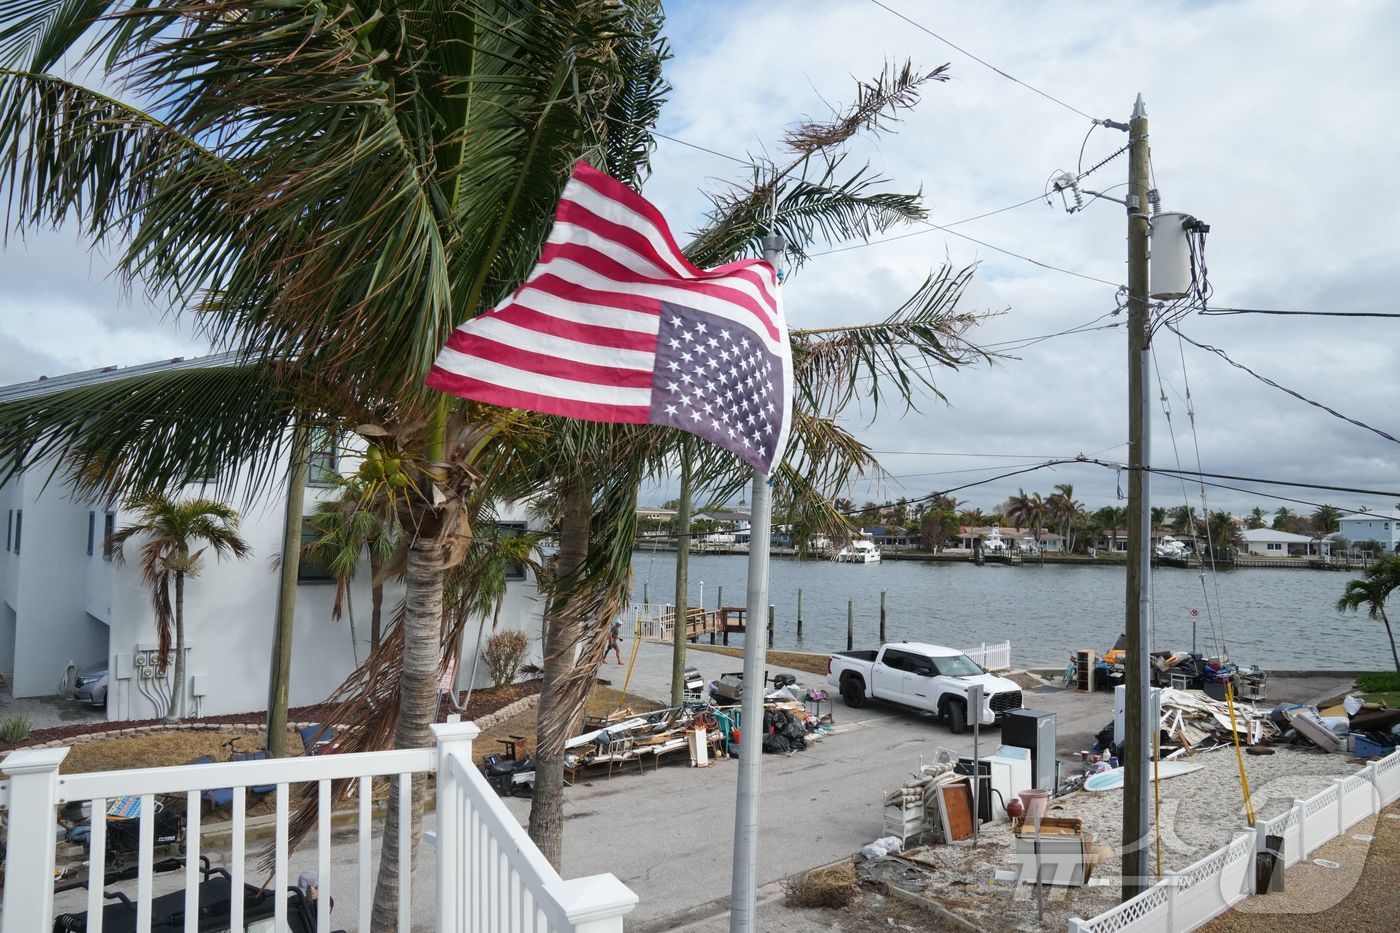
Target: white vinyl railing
x=1185 y=900
x=992 y=657
x=485 y=860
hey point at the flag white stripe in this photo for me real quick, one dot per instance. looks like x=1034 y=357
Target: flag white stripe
x=641 y=322
x=503 y=331
x=743 y=318
x=525 y=381
x=642 y=265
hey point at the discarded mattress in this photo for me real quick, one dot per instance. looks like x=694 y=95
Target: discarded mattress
x=1113 y=779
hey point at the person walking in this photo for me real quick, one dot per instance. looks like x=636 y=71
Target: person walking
x=614 y=641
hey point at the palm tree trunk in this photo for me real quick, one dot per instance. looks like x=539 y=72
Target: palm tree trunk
x=422 y=654
x=376 y=600
x=564 y=630
x=1391 y=635
x=177 y=693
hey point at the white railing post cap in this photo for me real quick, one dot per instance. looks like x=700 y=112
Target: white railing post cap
x=454 y=731
x=33 y=760
x=597 y=897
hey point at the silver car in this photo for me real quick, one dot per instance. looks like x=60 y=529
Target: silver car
x=90 y=685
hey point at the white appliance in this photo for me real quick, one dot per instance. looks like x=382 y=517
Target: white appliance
x=1120 y=710
x=1011 y=773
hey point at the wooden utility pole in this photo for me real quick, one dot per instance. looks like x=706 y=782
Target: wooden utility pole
x=1137 y=731
x=682 y=579
x=279 y=682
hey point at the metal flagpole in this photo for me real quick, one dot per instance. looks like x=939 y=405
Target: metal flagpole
x=743 y=890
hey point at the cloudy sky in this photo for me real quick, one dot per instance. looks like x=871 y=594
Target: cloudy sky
x=1269 y=120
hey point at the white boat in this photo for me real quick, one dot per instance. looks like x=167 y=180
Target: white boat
x=994 y=544
x=859 y=551
x=1170 y=548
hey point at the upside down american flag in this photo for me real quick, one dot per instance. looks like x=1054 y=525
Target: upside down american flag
x=615 y=325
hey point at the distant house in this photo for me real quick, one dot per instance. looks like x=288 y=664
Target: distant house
x=891 y=536
x=1021 y=538
x=1266 y=542
x=655 y=514
x=1373 y=526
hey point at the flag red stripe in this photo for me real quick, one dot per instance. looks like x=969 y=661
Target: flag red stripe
x=595 y=334
x=545 y=365
x=475 y=389
x=560 y=287
x=610 y=187
x=580 y=214
x=610 y=268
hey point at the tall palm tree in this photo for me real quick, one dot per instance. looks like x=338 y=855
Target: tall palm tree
x=1182 y=518
x=1109 y=519
x=1223 y=534
x=1256 y=518
x=1064 y=511
x=1283 y=519
x=1027 y=511
x=177 y=534
x=1326 y=520
x=1372 y=591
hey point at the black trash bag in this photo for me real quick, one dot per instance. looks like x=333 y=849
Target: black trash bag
x=776 y=744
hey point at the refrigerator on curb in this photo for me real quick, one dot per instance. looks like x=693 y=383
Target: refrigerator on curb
x=1033 y=729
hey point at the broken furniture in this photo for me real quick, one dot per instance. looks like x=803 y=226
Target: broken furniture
x=1066 y=857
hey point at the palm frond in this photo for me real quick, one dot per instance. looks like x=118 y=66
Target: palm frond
x=152 y=432
x=877 y=104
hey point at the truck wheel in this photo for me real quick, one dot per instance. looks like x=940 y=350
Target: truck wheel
x=957 y=718
x=853 y=692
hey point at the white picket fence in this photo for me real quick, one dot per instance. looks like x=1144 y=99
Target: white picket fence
x=490 y=876
x=992 y=657
x=1185 y=900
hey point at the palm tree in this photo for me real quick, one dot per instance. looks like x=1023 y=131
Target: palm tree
x=177 y=533
x=1381 y=579
x=1283 y=519
x=1027 y=511
x=1109 y=519
x=355 y=524
x=1182 y=519
x=1159 y=516
x=1062 y=509
x=1256 y=518
x=1326 y=520
x=1223 y=534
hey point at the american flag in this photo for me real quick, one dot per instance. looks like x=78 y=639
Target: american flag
x=614 y=324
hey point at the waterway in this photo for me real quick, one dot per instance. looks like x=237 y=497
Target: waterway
x=1282 y=619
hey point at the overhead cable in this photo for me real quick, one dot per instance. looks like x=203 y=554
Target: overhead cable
x=982 y=61
x=1211 y=312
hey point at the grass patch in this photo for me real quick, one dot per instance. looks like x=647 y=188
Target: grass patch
x=797 y=660
x=1388 y=682
x=163 y=749
x=834 y=886
x=1390 y=699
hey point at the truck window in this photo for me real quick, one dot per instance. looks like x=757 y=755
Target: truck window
x=896 y=659
x=957 y=666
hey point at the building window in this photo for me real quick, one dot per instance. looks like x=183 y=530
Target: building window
x=514 y=570
x=1274 y=546
x=19 y=527
x=92 y=531
x=109 y=528
x=322 y=468
x=308 y=570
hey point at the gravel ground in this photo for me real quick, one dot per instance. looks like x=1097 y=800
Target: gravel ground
x=1355 y=897
x=1200 y=813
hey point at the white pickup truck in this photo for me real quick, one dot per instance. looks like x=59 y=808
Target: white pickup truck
x=926 y=677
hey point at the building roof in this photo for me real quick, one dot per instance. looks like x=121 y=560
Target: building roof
x=1392 y=516
x=1268 y=535
x=46 y=384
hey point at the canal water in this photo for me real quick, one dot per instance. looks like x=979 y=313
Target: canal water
x=1282 y=619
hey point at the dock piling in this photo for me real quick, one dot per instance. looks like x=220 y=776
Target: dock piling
x=882 y=617
x=770 y=624
x=799 y=614
x=850 y=625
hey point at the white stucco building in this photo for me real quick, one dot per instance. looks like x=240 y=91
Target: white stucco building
x=64 y=599
x=1373 y=526
x=1266 y=542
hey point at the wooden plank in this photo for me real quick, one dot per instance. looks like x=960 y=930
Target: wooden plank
x=955 y=806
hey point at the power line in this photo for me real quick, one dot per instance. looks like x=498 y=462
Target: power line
x=1267 y=381
x=1211 y=312
x=982 y=61
x=905 y=236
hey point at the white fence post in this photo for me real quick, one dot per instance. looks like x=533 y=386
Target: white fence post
x=595 y=904
x=1341 y=806
x=1169 y=879
x=454 y=738
x=1373 y=775
x=29 y=863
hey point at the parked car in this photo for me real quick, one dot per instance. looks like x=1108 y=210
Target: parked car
x=926 y=677
x=90 y=685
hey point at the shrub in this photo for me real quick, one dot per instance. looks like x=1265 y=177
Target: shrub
x=15 y=729
x=1380 y=683
x=505 y=652
x=833 y=886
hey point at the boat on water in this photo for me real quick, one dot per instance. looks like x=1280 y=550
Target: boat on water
x=1169 y=548
x=859 y=551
